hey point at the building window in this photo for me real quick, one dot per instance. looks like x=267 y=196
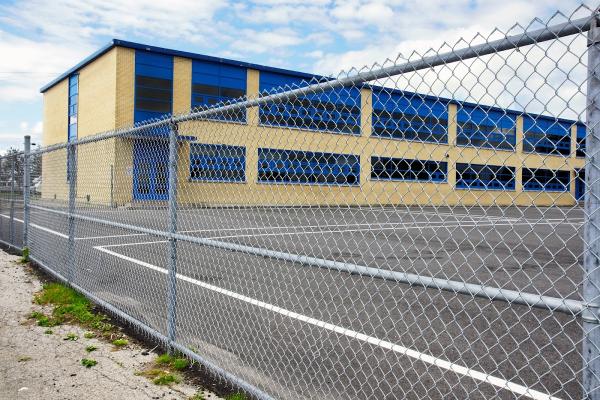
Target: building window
x=73 y=106
x=335 y=110
x=546 y=180
x=153 y=86
x=487 y=177
x=402 y=169
x=214 y=83
x=482 y=126
x=217 y=163
x=581 y=133
x=294 y=166
x=546 y=135
x=409 y=116
x=72 y=113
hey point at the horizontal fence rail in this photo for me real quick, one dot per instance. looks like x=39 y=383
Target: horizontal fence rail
x=416 y=230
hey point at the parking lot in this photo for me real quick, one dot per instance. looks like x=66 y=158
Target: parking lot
x=266 y=319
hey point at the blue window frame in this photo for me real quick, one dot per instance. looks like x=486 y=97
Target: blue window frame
x=214 y=83
x=546 y=135
x=73 y=106
x=409 y=116
x=485 y=177
x=547 y=180
x=153 y=85
x=217 y=163
x=581 y=133
x=336 y=110
x=482 y=126
x=579 y=184
x=72 y=113
x=403 y=169
x=307 y=167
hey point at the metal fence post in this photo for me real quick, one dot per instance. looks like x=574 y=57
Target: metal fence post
x=172 y=271
x=26 y=188
x=591 y=281
x=12 y=199
x=72 y=178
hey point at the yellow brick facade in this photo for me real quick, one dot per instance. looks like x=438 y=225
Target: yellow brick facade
x=105 y=170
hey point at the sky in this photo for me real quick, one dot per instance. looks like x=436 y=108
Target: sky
x=41 y=39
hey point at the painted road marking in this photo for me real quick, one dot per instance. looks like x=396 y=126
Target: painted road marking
x=426 y=358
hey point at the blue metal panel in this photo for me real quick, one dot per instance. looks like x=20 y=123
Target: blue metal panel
x=306 y=167
x=214 y=83
x=409 y=116
x=217 y=163
x=546 y=135
x=485 y=177
x=579 y=184
x=482 y=126
x=153 y=86
x=581 y=135
x=336 y=110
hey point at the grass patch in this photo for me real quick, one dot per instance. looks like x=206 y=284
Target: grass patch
x=69 y=306
x=48 y=331
x=88 y=362
x=180 y=364
x=173 y=362
x=120 y=342
x=71 y=336
x=24 y=256
x=236 y=396
x=91 y=348
x=89 y=335
x=42 y=319
x=160 y=377
x=166 y=379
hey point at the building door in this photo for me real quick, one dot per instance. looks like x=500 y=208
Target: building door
x=150 y=170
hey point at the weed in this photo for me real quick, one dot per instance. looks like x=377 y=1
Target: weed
x=25 y=256
x=70 y=306
x=89 y=335
x=24 y=358
x=71 y=336
x=91 y=348
x=160 y=377
x=48 y=331
x=42 y=319
x=180 y=363
x=236 y=396
x=88 y=363
x=198 y=396
x=166 y=379
x=120 y=342
x=163 y=359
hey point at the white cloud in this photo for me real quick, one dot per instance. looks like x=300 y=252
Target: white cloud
x=33 y=63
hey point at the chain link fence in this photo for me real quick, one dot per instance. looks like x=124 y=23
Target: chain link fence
x=408 y=230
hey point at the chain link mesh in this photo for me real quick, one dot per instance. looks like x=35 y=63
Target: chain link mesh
x=409 y=235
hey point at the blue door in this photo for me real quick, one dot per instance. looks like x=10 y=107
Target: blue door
x=150 y=170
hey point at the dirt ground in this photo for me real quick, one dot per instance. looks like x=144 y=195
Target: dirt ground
x=37 y=365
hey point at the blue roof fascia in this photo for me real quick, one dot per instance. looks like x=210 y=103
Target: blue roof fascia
x=308 y=77
x=177 y=53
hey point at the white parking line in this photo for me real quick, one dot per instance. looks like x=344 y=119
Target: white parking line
x=41 y=228
x=426 y=358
